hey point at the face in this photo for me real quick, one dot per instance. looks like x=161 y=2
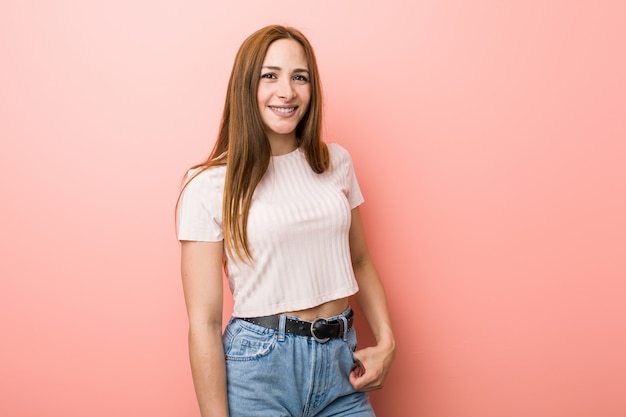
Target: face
x=284 y=90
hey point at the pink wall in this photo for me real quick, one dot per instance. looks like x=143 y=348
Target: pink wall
x=489 y=138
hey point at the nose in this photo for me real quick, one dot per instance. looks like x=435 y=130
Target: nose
x=285 y=90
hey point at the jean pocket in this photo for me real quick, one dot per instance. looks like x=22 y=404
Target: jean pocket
x=246 y=343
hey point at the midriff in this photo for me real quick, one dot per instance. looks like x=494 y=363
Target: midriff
x=326 y=310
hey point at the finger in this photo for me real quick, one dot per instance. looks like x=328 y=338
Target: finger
x=362 y=384
x=357 y=375
x=356 y=381
x=357 y=368
x=361 y=380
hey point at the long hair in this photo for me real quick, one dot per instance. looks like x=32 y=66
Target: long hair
x=242 y=144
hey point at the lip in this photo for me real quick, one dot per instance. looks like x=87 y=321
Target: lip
x=284 y=114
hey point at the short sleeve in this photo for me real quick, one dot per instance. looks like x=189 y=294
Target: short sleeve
x=342 y=158
x=200 y=207
x=355 y=197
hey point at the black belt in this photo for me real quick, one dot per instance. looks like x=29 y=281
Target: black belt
x=321 y=330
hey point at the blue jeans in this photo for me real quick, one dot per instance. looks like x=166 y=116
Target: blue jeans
x=271 y=373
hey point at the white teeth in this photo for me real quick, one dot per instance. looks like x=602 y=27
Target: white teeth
x=284 y=109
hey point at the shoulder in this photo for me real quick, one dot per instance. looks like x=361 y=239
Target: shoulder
x=337 y=149
x=339 y=155
x=206 y=175
x=205 y=179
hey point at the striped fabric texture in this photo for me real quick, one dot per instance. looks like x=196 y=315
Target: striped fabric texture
x=297 y=231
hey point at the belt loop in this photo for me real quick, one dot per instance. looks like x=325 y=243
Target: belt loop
x=344 y=320
x=281 y=327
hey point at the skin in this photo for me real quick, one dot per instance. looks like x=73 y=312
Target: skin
x=284 y=93
x=201 y=271
x=283 y=85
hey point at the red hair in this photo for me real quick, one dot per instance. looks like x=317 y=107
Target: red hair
x=242 y=143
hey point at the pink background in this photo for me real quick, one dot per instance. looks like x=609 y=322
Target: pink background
x=489 y=139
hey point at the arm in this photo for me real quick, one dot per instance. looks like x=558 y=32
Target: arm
x=201 y=268
x=376 y=360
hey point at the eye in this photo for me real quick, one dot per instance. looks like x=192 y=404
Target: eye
x=301 y=78
x=269 y=75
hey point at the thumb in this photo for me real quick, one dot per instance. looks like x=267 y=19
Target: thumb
x=358 y=370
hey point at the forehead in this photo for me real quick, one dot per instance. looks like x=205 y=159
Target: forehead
x=285 y=52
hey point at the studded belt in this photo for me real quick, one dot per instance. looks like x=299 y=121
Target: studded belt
x=321 y=330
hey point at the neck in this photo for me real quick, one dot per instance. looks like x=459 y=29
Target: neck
x=282 y=145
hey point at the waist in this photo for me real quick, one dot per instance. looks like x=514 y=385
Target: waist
x=328 y=309
x=320 y=329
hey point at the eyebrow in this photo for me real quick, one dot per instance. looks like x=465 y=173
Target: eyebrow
x=273 y=68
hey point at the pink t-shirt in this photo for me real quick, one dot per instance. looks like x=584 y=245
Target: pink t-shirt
x=297 y=232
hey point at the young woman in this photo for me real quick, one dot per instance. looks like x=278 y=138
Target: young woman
x=277 y=208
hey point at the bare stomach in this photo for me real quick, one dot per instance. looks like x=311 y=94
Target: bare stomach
x=329 y=309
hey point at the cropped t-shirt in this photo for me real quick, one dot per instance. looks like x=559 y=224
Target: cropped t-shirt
x=297 y=232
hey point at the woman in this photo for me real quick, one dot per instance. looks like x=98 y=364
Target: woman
x=278 y=209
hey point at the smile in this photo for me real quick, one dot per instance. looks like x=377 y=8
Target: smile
x=283 y=109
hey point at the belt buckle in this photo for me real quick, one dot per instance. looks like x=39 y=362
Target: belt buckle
x=318 y=339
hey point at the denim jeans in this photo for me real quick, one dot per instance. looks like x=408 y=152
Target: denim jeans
x=271 y=373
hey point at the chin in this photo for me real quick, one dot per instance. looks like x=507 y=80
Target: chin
x=282 y=132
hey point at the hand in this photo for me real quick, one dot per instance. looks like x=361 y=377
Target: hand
x=372 y=365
